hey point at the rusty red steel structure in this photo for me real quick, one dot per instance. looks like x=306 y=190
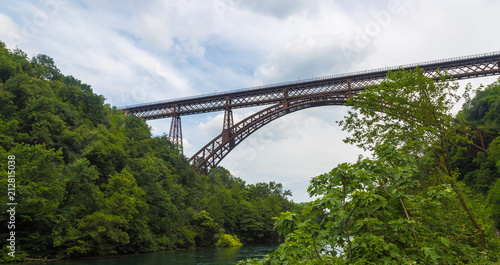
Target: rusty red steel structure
x=290 y=97
x=175 y=135
x=478 y=140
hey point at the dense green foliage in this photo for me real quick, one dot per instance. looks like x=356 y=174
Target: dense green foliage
x=406 y=205
x=92 y=181
x=482 y=174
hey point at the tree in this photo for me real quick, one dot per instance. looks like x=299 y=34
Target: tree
x=205 y=227
x=117 y=224
x=484 y=109
x=45 y=68
x=7 y=67
x=136 y=128
x=40 y=191
x=412 y=112
x=494 y=202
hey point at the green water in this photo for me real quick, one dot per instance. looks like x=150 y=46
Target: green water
x=219 y=256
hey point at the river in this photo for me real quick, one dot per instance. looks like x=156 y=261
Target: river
x=208 y=256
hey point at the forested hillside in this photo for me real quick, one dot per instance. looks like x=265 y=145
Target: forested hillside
x=92 y=181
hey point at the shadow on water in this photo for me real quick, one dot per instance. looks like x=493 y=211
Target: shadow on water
x=207 y=256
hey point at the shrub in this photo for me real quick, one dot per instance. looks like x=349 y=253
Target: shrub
x=226 y=240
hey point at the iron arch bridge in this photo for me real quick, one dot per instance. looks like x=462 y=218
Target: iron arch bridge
x=289 y=97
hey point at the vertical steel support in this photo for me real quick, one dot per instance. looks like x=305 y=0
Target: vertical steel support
x=175 y=135
x=227 y=128
x=349 y=94
x=285 y=98
x=228 y=119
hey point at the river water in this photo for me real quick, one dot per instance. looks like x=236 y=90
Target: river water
x=208 y=256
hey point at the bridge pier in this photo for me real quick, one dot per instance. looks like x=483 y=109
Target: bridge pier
x=227 y=128
x=175 y=135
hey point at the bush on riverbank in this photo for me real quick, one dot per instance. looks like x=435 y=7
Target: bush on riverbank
x=226 y=240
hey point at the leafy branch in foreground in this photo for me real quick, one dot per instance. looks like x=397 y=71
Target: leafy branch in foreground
x=408 y=110
x=414 y=113
x=379 y=211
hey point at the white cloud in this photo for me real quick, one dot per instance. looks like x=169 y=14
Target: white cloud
x=9 y=32
x=115 y=66
x=280 y=9
x=430 y=30
x=303 y=58
x=132 y=52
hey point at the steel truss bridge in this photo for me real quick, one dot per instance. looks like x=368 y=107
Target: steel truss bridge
x=290 y=97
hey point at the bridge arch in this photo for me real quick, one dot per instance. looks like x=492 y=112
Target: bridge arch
x=216 y=150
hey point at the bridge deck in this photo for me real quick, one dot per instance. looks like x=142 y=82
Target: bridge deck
x=344 y=84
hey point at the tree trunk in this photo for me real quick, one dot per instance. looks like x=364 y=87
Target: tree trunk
x=482 y=241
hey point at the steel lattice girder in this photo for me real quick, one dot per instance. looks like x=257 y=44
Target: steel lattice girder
x=459 y=68
x=478 y=140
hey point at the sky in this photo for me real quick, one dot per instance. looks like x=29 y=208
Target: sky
x=134 y=52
